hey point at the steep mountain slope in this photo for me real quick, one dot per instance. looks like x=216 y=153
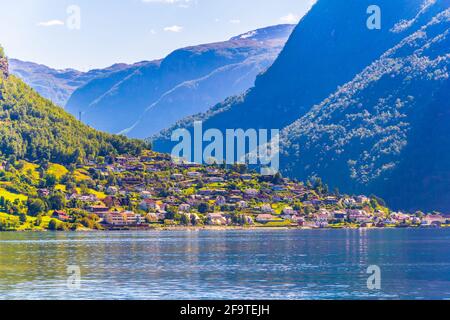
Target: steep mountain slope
x=198 y=95
x=34 y=129
x=187 y=81
x=330 y=45
x=57 y=85
x=386 y=131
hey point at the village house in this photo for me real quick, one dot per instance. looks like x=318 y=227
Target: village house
x=285 y=216
x=362 y=199
x=174 y=190
x=177 y=176
x=149 y=204
x=278 y=188
x=43 y=192
x=289 y=211
x=242 y=204
x=267 y=208
x=321 y=219
x=220 y=201
x=300 y=221
x=266 y=218
x=234 y=199
x=339 y=216
x=433 y=220
x=60 y=215
x=216 y=179
x=209 y=192
x=194 y=200
x=358 y=216
x=184 y=207
x=400 y=217
x=349 y=202
x=87 y=198
x=145 y=194
x=112 y=190
x=331 y=200
x=96 y=209
x=127 y=218
x=251 y=192
x=217 y=219
x=194 y=174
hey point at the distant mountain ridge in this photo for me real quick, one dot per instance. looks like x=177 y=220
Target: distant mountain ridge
x=57 y=85
x=142 y=101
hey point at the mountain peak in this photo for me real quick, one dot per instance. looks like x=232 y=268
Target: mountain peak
x=267 y=33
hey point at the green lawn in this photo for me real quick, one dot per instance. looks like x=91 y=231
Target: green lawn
x=57 y=170
x=12 y=196
x=31 y=170
x=28 y=225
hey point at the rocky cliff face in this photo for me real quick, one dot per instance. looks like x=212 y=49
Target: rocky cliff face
x=4 y=67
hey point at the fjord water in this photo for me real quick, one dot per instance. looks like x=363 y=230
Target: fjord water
x=234 y=264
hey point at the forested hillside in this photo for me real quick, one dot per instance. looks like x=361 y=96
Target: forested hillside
x=385 y=132
x=143 y=101
x=34 y=129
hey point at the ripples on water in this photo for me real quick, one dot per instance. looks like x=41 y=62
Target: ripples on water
x=282 y=264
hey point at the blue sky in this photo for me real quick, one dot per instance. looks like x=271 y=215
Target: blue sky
x=128 y=31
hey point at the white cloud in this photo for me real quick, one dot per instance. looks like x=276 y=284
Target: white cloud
x=290 y=18
x=173 y=29
x=235 y=21
x=180 y=3
x=51 y=23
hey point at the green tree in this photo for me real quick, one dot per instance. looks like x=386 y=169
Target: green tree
x=35 y=207
x=57 y=202
x=184 y=220
x=50 y=180
x=23 y=218
x=203 y=208
x=53 y=225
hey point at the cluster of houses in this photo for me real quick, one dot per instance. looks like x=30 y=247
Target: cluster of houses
x=152 y=189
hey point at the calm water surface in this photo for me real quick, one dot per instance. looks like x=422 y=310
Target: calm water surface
x=284 y=264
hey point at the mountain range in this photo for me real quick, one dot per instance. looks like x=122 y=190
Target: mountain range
x=363 y=109
x=140 y=100
x=57 y=85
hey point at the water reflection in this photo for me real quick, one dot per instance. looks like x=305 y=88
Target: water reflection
x=226 y=264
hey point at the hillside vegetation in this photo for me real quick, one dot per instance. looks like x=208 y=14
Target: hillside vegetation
x=34 y=129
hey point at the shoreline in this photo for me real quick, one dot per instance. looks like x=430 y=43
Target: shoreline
x=221 y=228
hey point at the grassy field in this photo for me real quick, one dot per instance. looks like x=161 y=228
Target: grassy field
x=12 y=196
x=57 y=170
x=31 y=170
x=28 y=225
x=98 y=194
x=60 y=187
x=81 y=175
